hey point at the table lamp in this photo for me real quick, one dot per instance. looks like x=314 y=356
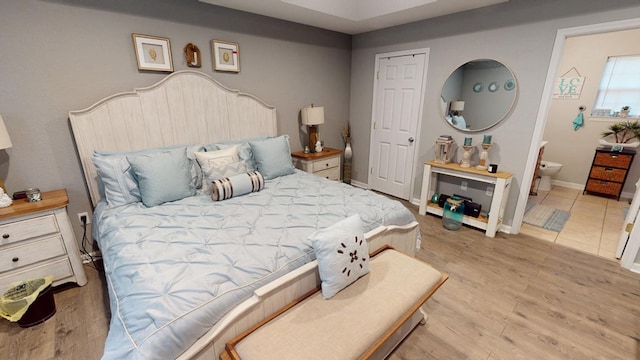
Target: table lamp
x=456 y=107
x=5 y=143
x=313 y=116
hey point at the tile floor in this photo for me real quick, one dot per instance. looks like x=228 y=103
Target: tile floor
x=594 y=226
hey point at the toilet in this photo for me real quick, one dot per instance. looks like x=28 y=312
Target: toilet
x=546 y=170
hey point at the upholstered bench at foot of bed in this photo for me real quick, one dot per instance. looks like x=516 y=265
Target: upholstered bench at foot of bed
x=357 y=322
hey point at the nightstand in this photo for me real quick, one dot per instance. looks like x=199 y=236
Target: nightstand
x=326 y=163
x=36 y=239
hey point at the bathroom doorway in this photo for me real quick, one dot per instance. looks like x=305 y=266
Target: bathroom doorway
x=567 y=190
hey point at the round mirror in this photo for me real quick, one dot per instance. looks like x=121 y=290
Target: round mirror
x=478 y=95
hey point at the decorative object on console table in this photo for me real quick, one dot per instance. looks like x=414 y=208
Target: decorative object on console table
x=312 y=116
x=152 y=53
x=484 y=157
x=453 y=213
x=466 y=156
x=609 y=171
x=326 y=163
x=39 y=240
x=445 y=149
x=5 y=143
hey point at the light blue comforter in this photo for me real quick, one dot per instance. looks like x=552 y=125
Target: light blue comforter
x=174 y=270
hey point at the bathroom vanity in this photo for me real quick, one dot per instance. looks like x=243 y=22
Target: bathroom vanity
x=609 y=171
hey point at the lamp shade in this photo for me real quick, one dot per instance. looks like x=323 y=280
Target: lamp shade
x=5 y=140
x=457 y=105
x=313 y=115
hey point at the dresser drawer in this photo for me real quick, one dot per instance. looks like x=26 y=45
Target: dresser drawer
x=59 y=268
x=26 y=229
x=31 y=253
x=612 y=159
x=331 y=174
x=603 y=187
x=326 y=164
x=608 y=173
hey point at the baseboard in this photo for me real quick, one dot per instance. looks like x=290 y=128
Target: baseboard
x=96 y=255
x=360 y=184
x=568 y=184
x=624 y=194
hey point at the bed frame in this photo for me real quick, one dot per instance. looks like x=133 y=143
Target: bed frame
x=189 y=107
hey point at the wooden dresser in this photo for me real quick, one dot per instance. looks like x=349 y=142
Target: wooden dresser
x=36 y=239
x=608 y=172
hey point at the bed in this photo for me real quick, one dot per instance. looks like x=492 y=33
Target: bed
x=185 y=275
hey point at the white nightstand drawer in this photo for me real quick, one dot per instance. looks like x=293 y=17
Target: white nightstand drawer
x=331 y=174
x=26 y=229
x=324 y=164
x=60 y=269
x=31 y=253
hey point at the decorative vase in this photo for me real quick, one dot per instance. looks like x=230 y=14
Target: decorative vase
x=346 y=167
x=453 y=213
x=435 y=198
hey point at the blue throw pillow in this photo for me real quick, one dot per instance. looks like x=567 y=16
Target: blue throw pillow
x=163 y=176
x=116 y=179
x=273 y=156
x=342 y=253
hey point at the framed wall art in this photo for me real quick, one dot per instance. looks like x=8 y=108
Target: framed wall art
x=152 y=53
x=226 y=56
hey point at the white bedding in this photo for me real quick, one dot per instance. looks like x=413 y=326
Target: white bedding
x=174 y=270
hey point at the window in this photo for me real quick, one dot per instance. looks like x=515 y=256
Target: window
x=620 y=85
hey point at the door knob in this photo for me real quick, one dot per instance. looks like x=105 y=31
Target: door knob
x=411 y=139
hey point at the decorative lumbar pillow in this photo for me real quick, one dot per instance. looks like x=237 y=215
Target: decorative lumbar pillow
x=273 y=156
x=163 y=176
x=342 y=253
x=209 y=160
x=236 y=185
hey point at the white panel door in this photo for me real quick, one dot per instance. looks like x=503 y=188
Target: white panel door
x=396 y=110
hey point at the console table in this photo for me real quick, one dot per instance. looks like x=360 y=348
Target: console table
x=501 y=181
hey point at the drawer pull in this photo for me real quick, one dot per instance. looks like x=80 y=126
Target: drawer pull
x=15 y=259
x=608 y=169
x=614 y=156
x=5 y=236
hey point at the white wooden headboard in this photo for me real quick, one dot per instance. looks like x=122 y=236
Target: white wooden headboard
x=186 y=107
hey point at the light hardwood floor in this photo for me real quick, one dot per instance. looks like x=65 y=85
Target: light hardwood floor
x=509 y=297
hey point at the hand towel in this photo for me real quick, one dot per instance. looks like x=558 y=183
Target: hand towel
x=578 y=122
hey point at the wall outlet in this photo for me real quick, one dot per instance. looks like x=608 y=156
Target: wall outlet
x=80 y=215
x=463 y=186
x=489 y=191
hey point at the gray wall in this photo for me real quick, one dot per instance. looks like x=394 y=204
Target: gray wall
x=520 y=34
x=57 y=56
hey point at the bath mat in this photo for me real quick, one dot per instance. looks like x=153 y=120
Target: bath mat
x=546 y=217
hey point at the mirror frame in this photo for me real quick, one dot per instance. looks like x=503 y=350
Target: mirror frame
x=515 y=90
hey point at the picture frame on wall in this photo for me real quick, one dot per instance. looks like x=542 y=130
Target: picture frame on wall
x=153 y=53
x=226 y=56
